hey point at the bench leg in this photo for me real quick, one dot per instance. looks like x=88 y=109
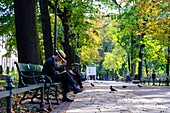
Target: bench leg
x=23 y=98
x=48 y=94
x=35 y=94
x=57 y=95
x=49 y=108
x=42 y=104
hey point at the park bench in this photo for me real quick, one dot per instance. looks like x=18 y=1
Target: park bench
x=158 y=81
x=11 y=90
x=3 y=77
x=29 y=74
x=135 y=81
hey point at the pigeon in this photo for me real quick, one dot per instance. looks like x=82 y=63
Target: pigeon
x=139 y=85
x=124 y=87
x=112 y=89
x=92 y=85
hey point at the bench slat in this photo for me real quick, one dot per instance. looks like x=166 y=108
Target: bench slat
x=4 y=94
x=20 y=90
x=24 y=89
x=135 y=81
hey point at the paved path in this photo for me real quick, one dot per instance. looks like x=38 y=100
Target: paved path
x=132 y=99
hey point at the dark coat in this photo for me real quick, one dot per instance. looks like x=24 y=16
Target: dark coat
x=49 y=67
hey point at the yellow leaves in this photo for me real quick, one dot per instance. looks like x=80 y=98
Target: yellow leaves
x=142 y=21
x=154 y=50
x=97 y=30
x=89 y=55
x=165 y=21
x=114 y=60
x=158 y=26
x=94 y=35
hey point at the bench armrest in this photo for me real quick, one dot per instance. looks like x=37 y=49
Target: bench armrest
x=35 y=77
x=48 y=79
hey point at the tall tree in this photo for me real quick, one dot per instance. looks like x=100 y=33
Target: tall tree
x=46 y=28
x=26 y=31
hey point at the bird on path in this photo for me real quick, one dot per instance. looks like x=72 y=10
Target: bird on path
x=112 y=89
x=92 y=85
x=139 y=85
x=124 y=87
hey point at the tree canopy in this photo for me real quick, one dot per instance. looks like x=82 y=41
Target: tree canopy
x=108 y=33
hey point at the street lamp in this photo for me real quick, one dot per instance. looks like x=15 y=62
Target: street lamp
x=0 y=63
x=75 y=41
x=142 y=50
x=55 y=26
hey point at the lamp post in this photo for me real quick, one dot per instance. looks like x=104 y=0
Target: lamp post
x=75 y=41
x=140 y=63
x=55 y=27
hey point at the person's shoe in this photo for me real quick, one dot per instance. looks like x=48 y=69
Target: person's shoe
x=83 y=79
x=82 y=89
x=67 y=100
x=77 y=91
x=71 y=88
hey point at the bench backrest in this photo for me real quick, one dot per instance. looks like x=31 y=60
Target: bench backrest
x=29 y=67
x=28 y=73
x=3 y=77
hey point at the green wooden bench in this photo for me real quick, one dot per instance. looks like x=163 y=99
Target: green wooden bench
x=3 y=77
x=135 y=81
x=11 y=91
x=29 y=74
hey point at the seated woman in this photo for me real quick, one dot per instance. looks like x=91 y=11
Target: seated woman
x=49 y=68
x=77 y=77
x=73 y=73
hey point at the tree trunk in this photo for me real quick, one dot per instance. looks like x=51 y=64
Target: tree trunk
x=140 y=67
x=146 y=67
x=133 y=64
x=26 y=31
x=129 y=64
x=46 y=28
x=66 y=36
x=168 y=62
x=133 y=69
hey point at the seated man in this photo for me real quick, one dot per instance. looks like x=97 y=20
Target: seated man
x=128 y=78
x=49 y=68
x=74 y=74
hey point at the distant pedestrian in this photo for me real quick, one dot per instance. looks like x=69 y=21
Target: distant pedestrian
x=153 y=77
x=136 y=77
x=117 y=78
x=98 y=77
x=93 y=76
x=128 y=78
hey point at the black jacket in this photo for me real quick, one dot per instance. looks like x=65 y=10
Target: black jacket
x=49 y=67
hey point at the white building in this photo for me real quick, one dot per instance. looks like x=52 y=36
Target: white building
x=91 y=72
x=5 y=61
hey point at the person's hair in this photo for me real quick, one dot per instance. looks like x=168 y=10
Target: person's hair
x=55 y=53
x=64 y=61
x=72 y=67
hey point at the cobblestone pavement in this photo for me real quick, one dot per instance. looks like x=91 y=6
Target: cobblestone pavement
x=132 y=99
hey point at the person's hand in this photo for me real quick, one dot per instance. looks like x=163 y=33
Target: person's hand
x=57 y=72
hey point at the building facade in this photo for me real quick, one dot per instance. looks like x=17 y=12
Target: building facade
x=6 y=63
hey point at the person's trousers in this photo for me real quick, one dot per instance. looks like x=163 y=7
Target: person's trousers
x=77 y=77
x=66 y=80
